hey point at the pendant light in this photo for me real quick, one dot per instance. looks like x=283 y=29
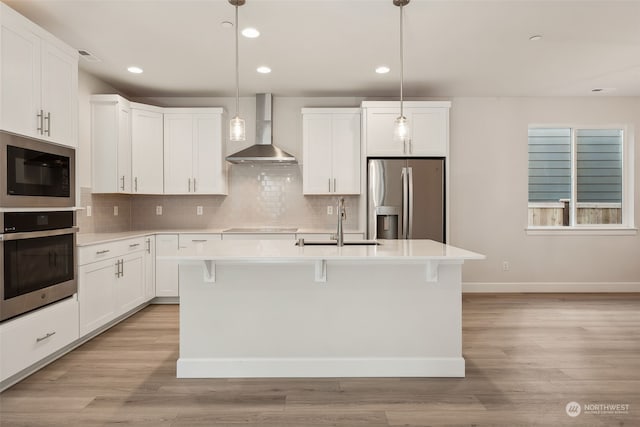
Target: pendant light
x=401 y=128
x=236 y=125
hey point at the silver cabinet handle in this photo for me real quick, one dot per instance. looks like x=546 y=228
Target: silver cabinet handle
x=104 y=251
x=41 y=117
x=148 y=246
x=199 y=240
x=48 y=119
x=135 y=184
x=194 y=185
x=329 y=181
x=334 y=185
x=47 y=335
x=121 y=268
x=122 y=185
x=410 y=147
x=189 y=185
x=118 y=268
x=133 y=245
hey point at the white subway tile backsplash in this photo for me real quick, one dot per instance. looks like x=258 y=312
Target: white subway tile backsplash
x=265 y=195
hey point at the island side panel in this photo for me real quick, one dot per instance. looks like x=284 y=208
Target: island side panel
x=275 y=320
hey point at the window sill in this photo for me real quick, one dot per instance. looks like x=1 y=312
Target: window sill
x=580 y=231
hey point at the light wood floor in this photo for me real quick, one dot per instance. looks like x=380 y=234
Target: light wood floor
x=527 y=357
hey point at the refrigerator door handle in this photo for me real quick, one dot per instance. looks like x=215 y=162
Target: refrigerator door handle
x=410 y=201
x=405 y=203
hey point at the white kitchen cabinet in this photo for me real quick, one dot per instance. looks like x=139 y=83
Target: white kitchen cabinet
x=331 y=150
x=166 y=271
x=428 y=123
x=147 y=136
x=194 y=152
x=38 y=81
x=150 y=267
x=111 y=144
x=36 y=335
x=111 y=286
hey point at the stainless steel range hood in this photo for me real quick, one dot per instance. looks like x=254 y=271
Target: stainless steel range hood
x=263 y=151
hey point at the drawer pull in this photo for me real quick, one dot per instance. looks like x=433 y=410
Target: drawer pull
x=199 y=240
x=133 y=245
x=48 y=335
x=104 y=251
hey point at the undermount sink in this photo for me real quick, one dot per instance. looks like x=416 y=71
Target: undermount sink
x=304 y=242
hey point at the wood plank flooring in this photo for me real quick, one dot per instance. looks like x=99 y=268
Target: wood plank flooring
x=527 y=357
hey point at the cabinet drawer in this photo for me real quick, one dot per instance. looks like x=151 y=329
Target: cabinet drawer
x=326 y=236
x=189 y=240
x=98 y=252
x=36 y=335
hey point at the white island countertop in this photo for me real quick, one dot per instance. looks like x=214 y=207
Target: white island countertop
x=287 y=251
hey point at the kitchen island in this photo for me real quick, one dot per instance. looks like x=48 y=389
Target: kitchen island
x=263 y=308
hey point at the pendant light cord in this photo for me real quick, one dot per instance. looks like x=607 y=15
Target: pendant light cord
x=237 y=67
x=401 y=63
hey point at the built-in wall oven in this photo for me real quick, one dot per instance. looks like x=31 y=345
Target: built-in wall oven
x=35 y=174
x=37 y=260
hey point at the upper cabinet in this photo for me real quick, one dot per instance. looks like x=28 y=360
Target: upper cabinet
x=147 y=130
x=331 y=150
x=428 y=123
x=111 y=144
x=193 y=151
x=38 y=81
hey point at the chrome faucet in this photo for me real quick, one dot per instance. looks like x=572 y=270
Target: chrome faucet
x=342 y=214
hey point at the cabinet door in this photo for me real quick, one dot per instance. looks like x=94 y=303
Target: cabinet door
x=130 y=286
x=317 y=137
x=147 y=151
x=20 y=78
x=124 y=149
x=178 y=153
x=346 y=153
x=208 y=173
x=379 y=132
x=150 y=267
x=429 y=131
x=59 y=95
x=166 y=271
x=96 y=294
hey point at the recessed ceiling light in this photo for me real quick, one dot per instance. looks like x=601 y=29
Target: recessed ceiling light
x=226 y=24
x=535 y=37
x=251 y=33
x=263 y=69
x=135 y=70
x=383 y=69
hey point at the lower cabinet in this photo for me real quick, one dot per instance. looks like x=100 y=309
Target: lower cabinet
x=111 y=287
x=166 y=271
x=34 y=336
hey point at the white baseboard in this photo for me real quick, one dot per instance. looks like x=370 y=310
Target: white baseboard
x=320 y=367
x=551 y=287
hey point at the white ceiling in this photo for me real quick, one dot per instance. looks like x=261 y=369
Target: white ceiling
x=330 y=48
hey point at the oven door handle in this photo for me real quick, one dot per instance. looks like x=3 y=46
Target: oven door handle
x=36 y=234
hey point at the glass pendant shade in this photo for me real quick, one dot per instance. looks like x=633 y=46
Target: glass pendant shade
x=236 y=129
x=401 y=131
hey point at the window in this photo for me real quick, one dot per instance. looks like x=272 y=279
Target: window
x=577 y=177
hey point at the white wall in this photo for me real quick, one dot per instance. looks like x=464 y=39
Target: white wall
x=489 y=193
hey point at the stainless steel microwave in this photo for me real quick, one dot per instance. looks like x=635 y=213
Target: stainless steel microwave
x=35 y=173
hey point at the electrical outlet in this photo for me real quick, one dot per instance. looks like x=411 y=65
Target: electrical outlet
x=89 y=211
x=158 y=210
x=330 y=210
x=505 y=266
x=198 y=210
x=115 y=211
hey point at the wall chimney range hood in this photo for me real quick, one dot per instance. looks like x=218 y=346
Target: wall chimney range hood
x=263 y=151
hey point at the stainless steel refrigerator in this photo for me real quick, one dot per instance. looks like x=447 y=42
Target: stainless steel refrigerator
x=406 y=199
